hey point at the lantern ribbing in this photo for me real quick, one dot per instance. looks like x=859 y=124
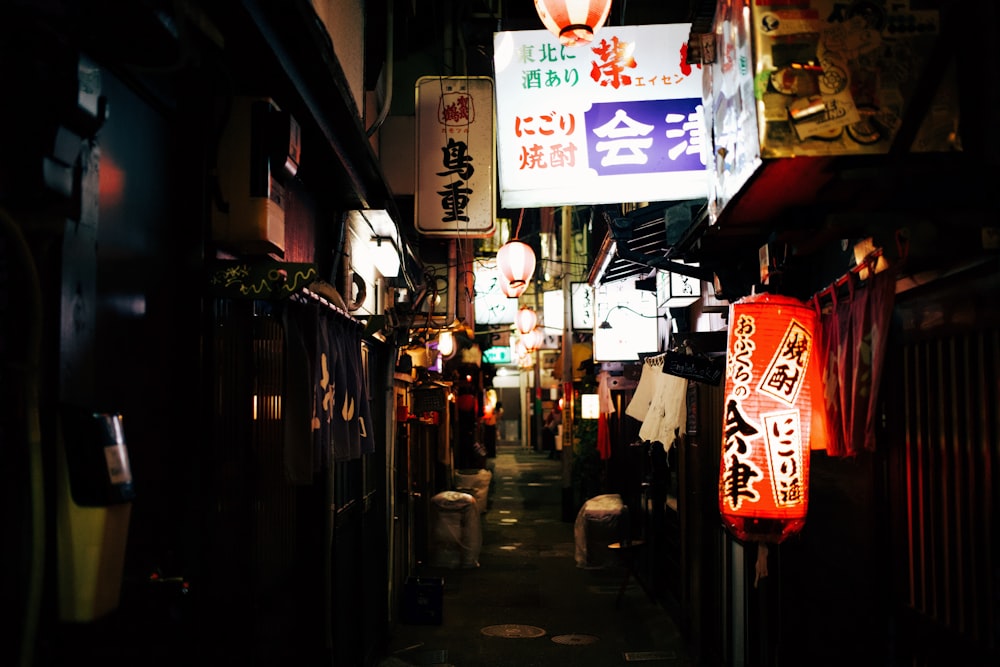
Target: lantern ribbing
x=574 y=22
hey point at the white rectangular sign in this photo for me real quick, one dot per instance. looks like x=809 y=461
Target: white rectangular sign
x=625 y=322
x=493 y=307
x=617 y=120
x=456 y=154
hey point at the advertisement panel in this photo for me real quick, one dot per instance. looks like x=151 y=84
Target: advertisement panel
x=618 y=120
x=821 y=78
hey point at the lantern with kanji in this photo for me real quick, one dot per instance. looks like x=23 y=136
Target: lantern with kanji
x=772 y=375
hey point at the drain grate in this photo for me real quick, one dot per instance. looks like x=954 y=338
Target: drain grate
x=513 y=631
x=649 y=656
x=574 y=640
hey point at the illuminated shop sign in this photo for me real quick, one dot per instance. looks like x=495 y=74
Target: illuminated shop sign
x=456 y=153
x=616 y=120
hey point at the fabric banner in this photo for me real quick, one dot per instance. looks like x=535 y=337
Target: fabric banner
x=340 y=415
x=299 y=322
x=606 y=408
x=666 y=419
x=855 y=330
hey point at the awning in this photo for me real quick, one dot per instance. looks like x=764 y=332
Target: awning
x=645 y=240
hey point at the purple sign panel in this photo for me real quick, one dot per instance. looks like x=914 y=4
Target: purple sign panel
x=645 y=136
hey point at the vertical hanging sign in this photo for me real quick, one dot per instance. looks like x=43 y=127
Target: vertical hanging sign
x=456 y=154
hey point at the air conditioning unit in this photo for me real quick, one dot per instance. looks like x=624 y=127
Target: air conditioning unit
x=258 y=152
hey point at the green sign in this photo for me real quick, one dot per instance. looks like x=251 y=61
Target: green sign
x=497 y=355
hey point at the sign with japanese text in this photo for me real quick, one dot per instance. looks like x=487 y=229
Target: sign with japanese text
x=768 y=417
x=617 y=120
x=692 y=367
x=582 y=306
x=455 y=192
x=492 y=306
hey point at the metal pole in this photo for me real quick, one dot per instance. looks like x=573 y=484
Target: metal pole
x=566 y=229
x=537 y=398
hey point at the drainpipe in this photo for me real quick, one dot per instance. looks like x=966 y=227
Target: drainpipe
x=387 y=102
x=540 y=421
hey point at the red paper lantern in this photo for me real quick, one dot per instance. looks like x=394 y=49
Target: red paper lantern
x=771 y=375
x=525 y=320
x=516 y=263
x=573 y=21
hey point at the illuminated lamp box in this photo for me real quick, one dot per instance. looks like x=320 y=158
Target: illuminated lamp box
x=819 y=78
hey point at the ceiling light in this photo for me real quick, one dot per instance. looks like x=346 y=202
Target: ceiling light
x=385 y=256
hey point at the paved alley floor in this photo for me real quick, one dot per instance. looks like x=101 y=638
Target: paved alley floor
x=528 y=604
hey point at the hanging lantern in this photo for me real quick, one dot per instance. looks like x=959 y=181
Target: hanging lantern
x=516 y=262
x=525 y=320
x=512 y=292
x=771 y=377
x=676 y=290
x=573 y=21
x=525 y=357
x=533 y=339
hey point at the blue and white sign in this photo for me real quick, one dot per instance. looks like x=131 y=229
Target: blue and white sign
x=618 y=120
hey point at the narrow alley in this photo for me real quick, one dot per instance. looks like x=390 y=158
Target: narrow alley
x=528 y=604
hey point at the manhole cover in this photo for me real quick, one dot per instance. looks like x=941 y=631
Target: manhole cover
x=574 y=640
x=513 y=631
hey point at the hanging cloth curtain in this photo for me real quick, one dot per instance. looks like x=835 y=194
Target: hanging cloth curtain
x=830 y=359
x=323 y=391
x=870 y=317
x=346 y=443
x=605 y=406
x=845 y=367
x=297 y=408
x=643 y=395
x=666 y=419
x=341 y=415
x=855 y=332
